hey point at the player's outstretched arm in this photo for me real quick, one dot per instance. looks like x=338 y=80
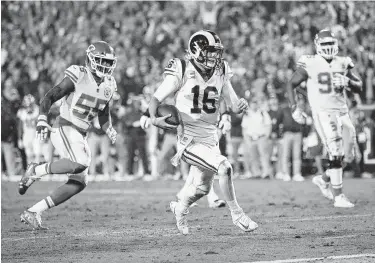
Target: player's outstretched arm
x=65 y=87
x=299 y=76
x=105 y=123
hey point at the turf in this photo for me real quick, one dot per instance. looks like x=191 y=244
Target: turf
x=131 y=222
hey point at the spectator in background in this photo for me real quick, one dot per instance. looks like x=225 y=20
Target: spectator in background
x=135 y=136
x=292 y=145
x=256 y=129
x=235 y=142
x=10 y=103
x=276 y=119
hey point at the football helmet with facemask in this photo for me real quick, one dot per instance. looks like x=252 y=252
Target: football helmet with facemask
x=101 y=59
x=326 y=44
x=206 y=49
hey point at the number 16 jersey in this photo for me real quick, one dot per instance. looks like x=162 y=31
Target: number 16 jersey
x=321 y=93
x=198 y=100
x=81 y=106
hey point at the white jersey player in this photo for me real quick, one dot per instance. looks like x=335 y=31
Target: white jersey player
x=199 y=84
x=28 y=116
x=327 y=78
x=85 y=92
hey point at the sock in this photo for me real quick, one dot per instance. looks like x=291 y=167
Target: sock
x=189 y=195
x=42 y=205
x=212 y=196
x=66 y=191
x=189 y=181
x=43 y=169
x=336 y=180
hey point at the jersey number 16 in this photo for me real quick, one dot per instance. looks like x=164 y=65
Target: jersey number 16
x=205 y=101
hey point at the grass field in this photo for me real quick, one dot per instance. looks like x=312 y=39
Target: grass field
x=130 y=222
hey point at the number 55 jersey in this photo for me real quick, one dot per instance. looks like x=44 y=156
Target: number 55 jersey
x=321 y=93
x=81 y=106
x=198 y=99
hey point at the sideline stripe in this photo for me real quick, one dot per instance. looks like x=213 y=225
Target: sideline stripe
x=313 y=259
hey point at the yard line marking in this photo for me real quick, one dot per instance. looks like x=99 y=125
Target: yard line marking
x=314 y=218
x=24 y=238
x=313 y=259
x=343 y=236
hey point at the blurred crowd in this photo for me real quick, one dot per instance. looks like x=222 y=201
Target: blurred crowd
x=262 y=42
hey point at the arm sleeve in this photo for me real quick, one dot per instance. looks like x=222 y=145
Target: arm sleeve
x=104 y=118
x=349 y=63
x=62 y=89
x=229 y=95
x=169 y=86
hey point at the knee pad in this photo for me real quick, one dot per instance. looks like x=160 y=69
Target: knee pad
x=335 y=162
x=225 y=169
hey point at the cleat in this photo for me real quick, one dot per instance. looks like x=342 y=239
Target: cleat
x=27 y=179
x=298 y=178
x=323 y=186
x=287 y=178
x=180 y=216
x=342 y=201
x=217 y=203
x=244 y=222
x=33 y=219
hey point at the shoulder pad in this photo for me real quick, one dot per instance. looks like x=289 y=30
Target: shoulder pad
x=227 y=71
x=302 y=61
x=349 y=63
x=75 y=73
x=174 y=68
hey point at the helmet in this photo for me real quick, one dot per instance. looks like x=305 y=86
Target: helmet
x=326 y=44
x=101 y=59
x=206 y=49
x=28 y=101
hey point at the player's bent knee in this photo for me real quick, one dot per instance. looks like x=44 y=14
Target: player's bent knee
x=78 y=184
x=78 y=168
x=335 y=162
x=225 y=169
x=202 y=190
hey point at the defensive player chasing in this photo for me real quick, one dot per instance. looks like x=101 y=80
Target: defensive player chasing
x=199 y=84
x=327 y=76
x=86 y=92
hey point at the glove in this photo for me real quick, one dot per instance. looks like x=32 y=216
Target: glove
x=42 y=128
x=298 y=115
x=340 y=81
x=225 y=123
x=242 y=105
x=112 y=134
x=145 y=122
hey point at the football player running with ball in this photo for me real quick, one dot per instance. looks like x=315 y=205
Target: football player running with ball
x=199 y=84
x=85 y=92
x=327 y=77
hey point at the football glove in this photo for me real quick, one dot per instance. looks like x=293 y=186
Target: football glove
x=20 y=144
x=42 y=128
x=145 y=122
x=298 y=115
x=225 y=123
x=242 y=105
x=340 y=81
x=112 y=134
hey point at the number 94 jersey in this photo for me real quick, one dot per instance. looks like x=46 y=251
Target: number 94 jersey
x=197 y=99
x=82 y=106
x=321 y=93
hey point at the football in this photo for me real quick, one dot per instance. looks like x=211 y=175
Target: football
x=165 y=109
